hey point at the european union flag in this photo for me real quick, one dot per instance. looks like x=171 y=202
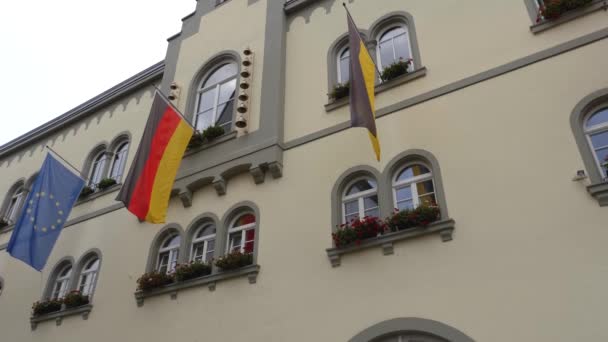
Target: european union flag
x=44 y=213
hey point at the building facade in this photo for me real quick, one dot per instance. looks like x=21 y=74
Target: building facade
x=500 y=120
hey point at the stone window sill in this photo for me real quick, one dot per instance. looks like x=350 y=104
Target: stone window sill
x=566 y=17
x=251 y=272
x=380 y=88
x=59 y=315
x=217 y=141
x=99 y=193
x=443 y=228
x=599 y=191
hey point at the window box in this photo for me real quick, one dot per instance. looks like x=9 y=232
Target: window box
x=395 y=70
x=599 y=192
x=192 y=270
x=58 y=316
x=384 y=86
x=562 y=11
x=86 y=192
x=340 y=91
x=353 y=233
x=106 y=183
x=234 y=260
x=444 y=228
x=251 y=272
x=421 y=216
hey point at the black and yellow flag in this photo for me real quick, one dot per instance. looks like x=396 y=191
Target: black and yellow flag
x=362 y=81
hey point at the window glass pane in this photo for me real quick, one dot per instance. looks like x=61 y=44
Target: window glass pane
x=118 y=165
x=207 y=100
x=370 y=202
x=204 y=120
x=428 y=200
x=344 y=66
x=224 y=112
x=222 y=73
x=97 y=169
x=372 y=212
x=244 y=220
x=210 y=250
x=173 y=242
x=360 y=186
x=402 y=47
x=598 y=118
x=600 y=139
x=208 y=229
x=197 y=251
x=404 y=193
x=412 y=171
x=407 y=204
x=392 y=33
x=351 y=207
x=602 y=156
x=387 y=56
x=92 y=265
x=65 y=272
x=349 y=218
x=425 y=187
x=227 y=91
x=234 y=242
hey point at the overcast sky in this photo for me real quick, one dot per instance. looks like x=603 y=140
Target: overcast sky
x=57 y=54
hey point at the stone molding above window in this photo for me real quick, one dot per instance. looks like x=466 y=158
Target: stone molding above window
x=544 y=24
x=408 y=325
x=598 y=188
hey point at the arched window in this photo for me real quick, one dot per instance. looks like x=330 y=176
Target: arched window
x=343 y=64
x=394 y=45
x=62 y=282
x=413 y=337
x=168 y=254
x=119 y=161
x=14 y=204
x=203 y=243
x=241 y=235
x=360 y=199
x=88 y=276
x=98 y=165
x=413 y=186
x=596 y=130
x=215 y=98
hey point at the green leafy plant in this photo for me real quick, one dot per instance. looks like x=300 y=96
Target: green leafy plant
x=75 y=299
x=46 y=307
x=106 y=183
x=192 y=270
x=339 y=91
x=86 y=191
x=396 y=69
x=420 y=216
x=234 y=260
x=153 y=280
x=196 y=140
x=213 y=132
x=358 y=230
x=553 y=9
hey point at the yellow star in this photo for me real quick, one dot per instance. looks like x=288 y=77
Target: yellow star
x=51 y=196
x=53 y=226
x=60 y=212
x=42 y=194
x=32 y=219
x=58 y=220
x=37 y=194
x=57 y=203
x=44 y=229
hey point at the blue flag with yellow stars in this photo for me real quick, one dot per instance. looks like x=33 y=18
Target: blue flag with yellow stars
x=44 y=213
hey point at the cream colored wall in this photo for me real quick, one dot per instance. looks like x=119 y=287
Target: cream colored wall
x=456 y=41
x=527 y=262
x=245 y=28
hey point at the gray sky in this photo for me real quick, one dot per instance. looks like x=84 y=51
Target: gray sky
x=57 y=54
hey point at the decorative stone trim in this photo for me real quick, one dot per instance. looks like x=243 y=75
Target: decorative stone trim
x=276 y=170
x=251 y=272
x=258 y=174
x=382 y=87
x=600 y=193
x=444 y=228
x=566 y=17
x=99 y=193
x=58 y=316
x=186 y=198
x=220 y=186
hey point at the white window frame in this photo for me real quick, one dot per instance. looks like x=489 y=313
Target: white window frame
x=86 y=273
x=595 y=129
x=243 y=230
x=97 y=163
x=122 y=162
x=411 y=182
x=204 y=240
x=61 y=284
x=409 y=42
x=339 y=59
x=216 y=104
x=359 y=196
x=173 y=254
x=14 y=204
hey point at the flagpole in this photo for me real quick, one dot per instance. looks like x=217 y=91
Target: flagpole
x=67 y=162
x=351 y=18
x=174 y=108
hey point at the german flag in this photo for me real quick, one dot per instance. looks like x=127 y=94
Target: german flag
x=362 y=82
x=147 y=187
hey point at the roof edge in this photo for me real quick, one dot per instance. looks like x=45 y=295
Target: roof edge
x=87 y=108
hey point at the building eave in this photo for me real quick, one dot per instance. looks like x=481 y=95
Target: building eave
x=84 y=110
